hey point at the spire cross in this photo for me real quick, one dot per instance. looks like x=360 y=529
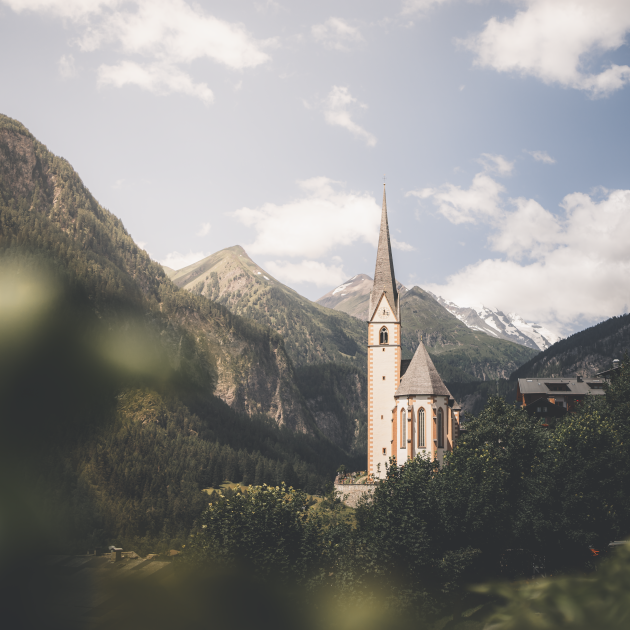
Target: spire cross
x=384 y=178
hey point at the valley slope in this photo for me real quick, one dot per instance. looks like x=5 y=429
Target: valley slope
x=123 y=396
x=327 y=347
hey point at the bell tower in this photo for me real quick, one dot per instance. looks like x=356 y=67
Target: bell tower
x=384 y=354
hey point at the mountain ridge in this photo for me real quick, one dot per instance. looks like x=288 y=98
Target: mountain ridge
x=352 y=297
x=124 y=396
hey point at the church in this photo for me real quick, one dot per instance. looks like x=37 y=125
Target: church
x=410 y=410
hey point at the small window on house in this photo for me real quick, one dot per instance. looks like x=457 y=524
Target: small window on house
x=544 y=409
x=384 y=451
x=440 y=428
x=384 y=336
x=403 y=428
x=421 y=428
x=538 y=410
x=383 y=378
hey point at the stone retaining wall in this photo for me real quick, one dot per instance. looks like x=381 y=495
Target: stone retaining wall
x=351 y=493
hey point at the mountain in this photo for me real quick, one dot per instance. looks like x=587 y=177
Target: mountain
x=311 y=332
x=353 y=296
x=495 y=323
x=316 y=338
x=460 y=353
x=123 y=396
x=583 y=354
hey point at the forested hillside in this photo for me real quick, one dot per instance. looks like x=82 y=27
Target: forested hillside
x=132 y=395
x=585 y=353
x=311 y=333
x=459 y=353
x=319 y=340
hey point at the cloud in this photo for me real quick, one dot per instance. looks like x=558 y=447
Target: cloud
x=542 y=156
x=175 y=32
x=411 y=7
x=553 y=40
x=496 y=164
x=159 y=78
x=401 y=246
x=70 y=9
x=67 y=69
x=205 y=229
x=481 y=201
x=336 y=34
x=177 y=261
x=165 y=34
x=310 y=227
x=560 y=269
x=312 y=271
x=336 y=112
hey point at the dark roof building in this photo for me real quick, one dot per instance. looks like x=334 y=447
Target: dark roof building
x=550 y=397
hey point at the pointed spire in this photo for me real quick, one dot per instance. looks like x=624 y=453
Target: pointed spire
x=421 y=377
x=384 y=278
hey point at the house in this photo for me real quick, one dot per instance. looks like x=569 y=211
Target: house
x=553 y=397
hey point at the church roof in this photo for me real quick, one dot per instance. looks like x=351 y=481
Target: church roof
x=384 y=279
x=421 y=377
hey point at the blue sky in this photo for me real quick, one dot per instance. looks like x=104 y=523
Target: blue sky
x=502 y=128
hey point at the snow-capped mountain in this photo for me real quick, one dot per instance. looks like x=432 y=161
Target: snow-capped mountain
x=497 y=324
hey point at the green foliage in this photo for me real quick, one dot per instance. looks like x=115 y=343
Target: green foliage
x=266 y=527
x=600 y=600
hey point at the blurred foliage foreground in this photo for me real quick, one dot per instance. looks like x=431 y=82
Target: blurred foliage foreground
x=514 y=494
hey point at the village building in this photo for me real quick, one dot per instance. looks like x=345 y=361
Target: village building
x=410 y=410
x=553 y=397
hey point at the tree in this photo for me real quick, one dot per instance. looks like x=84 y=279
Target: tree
x=259 y=476
x=266 y=528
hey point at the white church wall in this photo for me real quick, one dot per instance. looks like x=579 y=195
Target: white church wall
x=384 y=375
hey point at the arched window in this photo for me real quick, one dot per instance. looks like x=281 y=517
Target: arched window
x=403 y=428
x=384 y=336
x=440 y=428
x=421 y=428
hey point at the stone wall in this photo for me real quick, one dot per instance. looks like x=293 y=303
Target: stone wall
x=351 y=493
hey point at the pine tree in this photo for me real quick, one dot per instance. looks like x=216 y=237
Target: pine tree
x=288 y=475
x=217 y=476
x=259 y=476
x=249 y=472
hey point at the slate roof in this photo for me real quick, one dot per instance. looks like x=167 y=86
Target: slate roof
x=566 y=386
x=384 y=278
x=421 y=377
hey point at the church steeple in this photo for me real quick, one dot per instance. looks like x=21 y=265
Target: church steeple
x=384 y=278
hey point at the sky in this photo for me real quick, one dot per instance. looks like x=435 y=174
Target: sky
x=501 y=129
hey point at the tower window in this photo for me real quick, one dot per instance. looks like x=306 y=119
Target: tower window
x=440 y=428
x=421 y=428
x=383 y=378
x=384 y=451
x=403 y=428
x=384 y=336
